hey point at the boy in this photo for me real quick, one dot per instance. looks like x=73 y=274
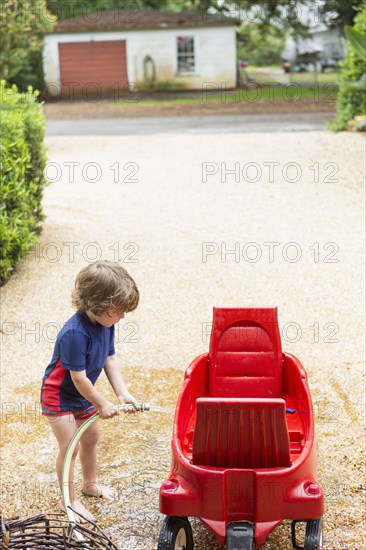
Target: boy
x=104 y=292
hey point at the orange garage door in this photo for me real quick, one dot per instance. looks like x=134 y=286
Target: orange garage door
x=89 y=67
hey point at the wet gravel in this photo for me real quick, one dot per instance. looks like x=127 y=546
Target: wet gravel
x=170 y=219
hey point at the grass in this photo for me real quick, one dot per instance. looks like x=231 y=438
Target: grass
x=294 y=92
x=254 y=68
x=274 y=73
x=322 y=78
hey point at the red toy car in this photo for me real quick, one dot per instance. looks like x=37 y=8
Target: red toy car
x=243 y=447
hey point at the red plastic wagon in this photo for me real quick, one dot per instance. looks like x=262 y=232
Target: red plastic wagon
x=244 y=456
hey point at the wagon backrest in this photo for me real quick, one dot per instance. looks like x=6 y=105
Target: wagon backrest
x=245 y=353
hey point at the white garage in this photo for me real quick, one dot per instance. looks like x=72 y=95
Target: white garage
x=119 y=50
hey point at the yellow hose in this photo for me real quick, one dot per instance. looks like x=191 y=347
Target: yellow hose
x=67 y=461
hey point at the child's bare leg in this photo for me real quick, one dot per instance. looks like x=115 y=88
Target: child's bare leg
x=64 y=428
x=88 y=460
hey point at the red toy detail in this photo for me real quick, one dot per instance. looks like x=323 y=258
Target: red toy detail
x=241 y=433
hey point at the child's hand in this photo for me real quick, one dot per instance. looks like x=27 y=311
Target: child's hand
x=108 y=410
x=128 y=398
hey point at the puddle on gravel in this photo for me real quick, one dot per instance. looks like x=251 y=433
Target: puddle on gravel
x=133 y=456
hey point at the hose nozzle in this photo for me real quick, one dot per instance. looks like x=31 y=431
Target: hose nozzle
x=141 y=407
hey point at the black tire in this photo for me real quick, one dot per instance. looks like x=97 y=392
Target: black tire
x=175 y=534
x=314 y=534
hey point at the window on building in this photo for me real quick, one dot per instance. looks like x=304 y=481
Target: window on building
x=185 y=54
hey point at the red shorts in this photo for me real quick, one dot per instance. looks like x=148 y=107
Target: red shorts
x=82 y=414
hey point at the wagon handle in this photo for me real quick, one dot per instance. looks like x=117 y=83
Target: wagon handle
x=67 y=460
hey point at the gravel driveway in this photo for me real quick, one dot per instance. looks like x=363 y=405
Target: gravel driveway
x=207 y=220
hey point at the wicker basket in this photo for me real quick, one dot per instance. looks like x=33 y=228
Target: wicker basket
x=52 y=531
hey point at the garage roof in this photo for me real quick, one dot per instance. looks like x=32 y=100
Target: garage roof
x=140 y=19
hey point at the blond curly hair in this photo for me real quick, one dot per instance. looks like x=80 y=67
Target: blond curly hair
x=103 y=285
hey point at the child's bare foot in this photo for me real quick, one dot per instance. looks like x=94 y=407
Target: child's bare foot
x=78 y=507
x=98 y=490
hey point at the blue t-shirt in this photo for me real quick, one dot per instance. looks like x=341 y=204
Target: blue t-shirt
x=80 y=345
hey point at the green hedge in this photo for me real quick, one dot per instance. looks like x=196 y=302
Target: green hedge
x=351 y=96
x=22 y=161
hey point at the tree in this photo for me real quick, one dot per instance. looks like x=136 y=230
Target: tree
x=259 y=47
x=336 y=14
x=24 y=24
x=351 y=98
x=286 y=14
x=66 y=9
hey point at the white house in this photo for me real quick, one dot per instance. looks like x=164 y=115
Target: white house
x=325 y=42
x=118 y=49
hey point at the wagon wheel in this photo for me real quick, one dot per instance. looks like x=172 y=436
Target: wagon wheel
x=175 y=534
x=313 y=534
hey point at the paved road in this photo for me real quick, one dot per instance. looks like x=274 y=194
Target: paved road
x=290 y=122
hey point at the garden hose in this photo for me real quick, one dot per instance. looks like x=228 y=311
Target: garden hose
x=67 y=460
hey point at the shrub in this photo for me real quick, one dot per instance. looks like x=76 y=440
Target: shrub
x=23 y=160
x=352 y=97
x=24 y=24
